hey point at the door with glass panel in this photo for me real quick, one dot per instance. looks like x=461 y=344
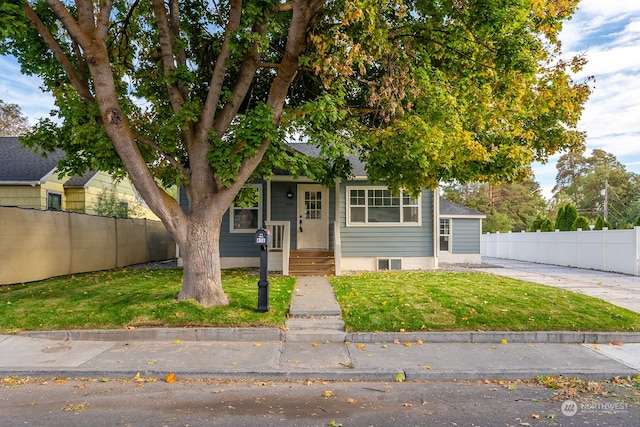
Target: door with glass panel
x=313 y=217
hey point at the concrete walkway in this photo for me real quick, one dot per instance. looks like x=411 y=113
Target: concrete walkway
x=618 y=289
x=304 y=351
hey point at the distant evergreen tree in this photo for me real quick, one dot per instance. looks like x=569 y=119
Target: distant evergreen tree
x=567 y=215
x=601 y=223
x=541 y=223
x=581 y=222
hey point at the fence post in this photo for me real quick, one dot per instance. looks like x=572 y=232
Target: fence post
x=637 y=244
x=605 y=245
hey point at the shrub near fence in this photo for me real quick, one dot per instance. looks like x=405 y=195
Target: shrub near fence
x=36 y=245
x=607 y=250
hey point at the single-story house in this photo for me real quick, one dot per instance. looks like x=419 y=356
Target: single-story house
x=351 y=226
x=28 y=180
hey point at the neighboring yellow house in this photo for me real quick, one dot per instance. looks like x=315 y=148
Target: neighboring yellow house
x=28 y=180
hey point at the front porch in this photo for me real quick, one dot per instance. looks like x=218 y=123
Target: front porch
x=298 y=262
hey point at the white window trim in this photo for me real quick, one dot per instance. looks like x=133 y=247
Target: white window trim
x=450 y=250
x=379 y=224
x=260 y=222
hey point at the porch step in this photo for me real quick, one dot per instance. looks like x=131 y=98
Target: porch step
x=312 y=263
x=334 y=323
x=314 y=313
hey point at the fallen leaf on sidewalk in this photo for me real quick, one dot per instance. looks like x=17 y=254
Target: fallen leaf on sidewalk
x=315 y=344
x=176 y=342
x=351 y=400
x=170 y=378
x=327 y=393
x=362 y=346
x=595 y=347
x=258 y=344
x=504 y=342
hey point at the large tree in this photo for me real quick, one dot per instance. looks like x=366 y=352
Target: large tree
x=509 y=206
x=599 y=184
x=203 y=93
x=12 y=121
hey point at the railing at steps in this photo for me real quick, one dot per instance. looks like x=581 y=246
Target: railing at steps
x=281 y=241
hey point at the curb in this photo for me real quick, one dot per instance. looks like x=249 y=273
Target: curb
x=387 y=375
x=275 y=334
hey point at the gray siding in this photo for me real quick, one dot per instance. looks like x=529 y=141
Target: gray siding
x=235 y=244
x=387 y=241
x=241 y=244
x=465 y=235
x=284 y=209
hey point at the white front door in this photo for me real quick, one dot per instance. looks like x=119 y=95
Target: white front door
x=313 y=217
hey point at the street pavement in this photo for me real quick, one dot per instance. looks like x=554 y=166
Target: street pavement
x=266 y=353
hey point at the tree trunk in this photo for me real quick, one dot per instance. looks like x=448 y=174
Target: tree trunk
x=200 y=251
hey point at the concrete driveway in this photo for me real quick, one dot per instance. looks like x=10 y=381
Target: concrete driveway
x=618 y=289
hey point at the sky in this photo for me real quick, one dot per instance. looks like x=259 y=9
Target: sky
x=606 y=31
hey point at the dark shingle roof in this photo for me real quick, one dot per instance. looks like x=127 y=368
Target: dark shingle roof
x=357 y=167
x=454 y=209
x=80 y=180
x=21 y=164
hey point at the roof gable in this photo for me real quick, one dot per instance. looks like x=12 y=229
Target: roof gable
x=357 y=167
x=21 y=164
x=448 y=208
x=80 y=180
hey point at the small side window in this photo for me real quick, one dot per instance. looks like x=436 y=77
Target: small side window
x=54 y=201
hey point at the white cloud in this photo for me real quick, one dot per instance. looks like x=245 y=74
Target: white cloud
x=608 y=32
x=17 y=88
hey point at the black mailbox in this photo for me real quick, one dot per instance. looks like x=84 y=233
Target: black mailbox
x=263 y=237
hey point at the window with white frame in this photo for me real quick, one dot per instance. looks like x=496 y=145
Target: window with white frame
x=377 y=205
x=249 y=219
x=445 y=234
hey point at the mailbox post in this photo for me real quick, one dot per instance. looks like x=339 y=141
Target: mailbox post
x=263 y=239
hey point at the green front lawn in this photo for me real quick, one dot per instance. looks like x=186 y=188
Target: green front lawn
x=413 y=301
x=136 y=298
x=448 y=301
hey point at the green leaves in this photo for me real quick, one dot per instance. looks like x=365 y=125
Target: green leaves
x=243 y=139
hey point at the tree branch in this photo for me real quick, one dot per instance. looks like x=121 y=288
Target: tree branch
x=166 y=51
x=246 y=74
x=303 y=12
x=76 y=81
x=217 y=77
x=174 y=162
x=174 y=25
x=103 y=18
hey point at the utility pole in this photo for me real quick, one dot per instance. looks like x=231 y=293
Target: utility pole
x=605 y=193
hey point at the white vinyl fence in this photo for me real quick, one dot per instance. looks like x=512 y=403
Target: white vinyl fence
x=607 y=250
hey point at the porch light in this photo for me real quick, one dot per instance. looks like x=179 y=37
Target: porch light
x=289 y=194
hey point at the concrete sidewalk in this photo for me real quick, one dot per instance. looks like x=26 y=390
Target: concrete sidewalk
x=368 y=357
x=268 y=353
x=618 y=289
